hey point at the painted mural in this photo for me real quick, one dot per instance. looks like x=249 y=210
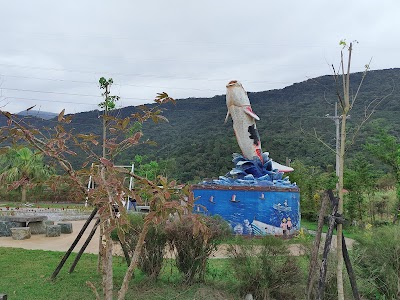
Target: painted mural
x=255 y=197
x=251 y=211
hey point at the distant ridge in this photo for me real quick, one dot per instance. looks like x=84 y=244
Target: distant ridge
x=196 y=144
x=45 y=115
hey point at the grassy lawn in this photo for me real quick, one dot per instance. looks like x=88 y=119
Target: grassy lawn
x=25 y=275
x=351 y=232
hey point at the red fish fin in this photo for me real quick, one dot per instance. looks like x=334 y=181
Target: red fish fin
x=249 y=111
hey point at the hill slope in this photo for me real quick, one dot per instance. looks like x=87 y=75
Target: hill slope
x=200 y=145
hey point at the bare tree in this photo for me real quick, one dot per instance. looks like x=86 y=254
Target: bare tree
x=346 y=102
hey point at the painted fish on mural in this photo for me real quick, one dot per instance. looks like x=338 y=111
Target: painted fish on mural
x=243 y=118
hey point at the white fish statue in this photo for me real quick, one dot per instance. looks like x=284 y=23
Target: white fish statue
x=244 y=124
x=243 y=118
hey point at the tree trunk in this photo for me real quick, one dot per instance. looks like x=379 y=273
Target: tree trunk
x=135 y=259
x=107 y=263
x=339 y=269
x=23 y=193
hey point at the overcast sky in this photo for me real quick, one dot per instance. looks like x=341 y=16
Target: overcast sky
x=53 y=52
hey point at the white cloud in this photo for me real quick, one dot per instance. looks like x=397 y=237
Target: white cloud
x=56 y=51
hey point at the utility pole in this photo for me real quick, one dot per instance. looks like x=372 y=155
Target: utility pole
x=337 y=119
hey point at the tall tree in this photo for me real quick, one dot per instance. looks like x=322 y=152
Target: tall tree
x=105 y=242
x=346 y=104
x=22 y=167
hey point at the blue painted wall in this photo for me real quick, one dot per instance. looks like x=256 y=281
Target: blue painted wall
x=254 y=212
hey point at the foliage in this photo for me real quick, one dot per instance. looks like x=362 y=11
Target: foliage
x=360 y=183
x=194 y=243
x=109 y=101
x=378 y=263
x=386 y=148
x=312 y=181
x=20 y=167
x=266 y=271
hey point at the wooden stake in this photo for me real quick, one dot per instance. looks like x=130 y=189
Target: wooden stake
x=89 y=238
x=68 y=253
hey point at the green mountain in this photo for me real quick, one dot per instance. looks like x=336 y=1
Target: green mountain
x=201 y=144
x=197 y=143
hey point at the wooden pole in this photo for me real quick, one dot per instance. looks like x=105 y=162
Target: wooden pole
x=78 y=257
x=315 y=249
x=67 y=254
x=328 y=241
x=350 y=271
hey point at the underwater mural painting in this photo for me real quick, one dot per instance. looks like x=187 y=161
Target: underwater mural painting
x=254 y=197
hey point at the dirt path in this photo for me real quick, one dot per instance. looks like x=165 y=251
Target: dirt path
x=60 y=243
x=63 y=242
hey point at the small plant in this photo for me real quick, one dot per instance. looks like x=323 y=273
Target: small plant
x=266 y=271
x=193 y=246
x=152 y=255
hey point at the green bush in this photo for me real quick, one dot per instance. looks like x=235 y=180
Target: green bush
x=267 y=271
x=378 y=263
x=194 y=238
x=152 y=255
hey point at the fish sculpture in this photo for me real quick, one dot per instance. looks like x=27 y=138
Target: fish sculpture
x=244 y=126
x=243 y=118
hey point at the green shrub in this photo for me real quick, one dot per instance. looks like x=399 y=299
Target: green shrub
x=194 y=238
x=267 y=271
x=378 y=263
x=152 y=255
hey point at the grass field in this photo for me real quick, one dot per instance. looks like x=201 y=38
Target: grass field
x=25 y=275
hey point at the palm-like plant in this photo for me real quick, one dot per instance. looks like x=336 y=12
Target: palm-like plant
x=22 y=167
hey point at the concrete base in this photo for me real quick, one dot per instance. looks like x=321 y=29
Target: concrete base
x=66 y=227
x=21 y=233
x=53 y=230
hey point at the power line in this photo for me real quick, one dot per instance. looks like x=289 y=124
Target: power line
x=55 y=101
x=49 y=92
x=131 y=75
x=116 y=84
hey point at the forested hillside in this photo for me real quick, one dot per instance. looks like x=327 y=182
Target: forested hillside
x=197 y=143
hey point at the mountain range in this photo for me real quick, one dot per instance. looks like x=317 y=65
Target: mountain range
x=38 y=114
x=196 y=143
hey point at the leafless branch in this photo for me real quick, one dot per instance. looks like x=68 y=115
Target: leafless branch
x=93 y=288
x=361 y=82
x=318 y=138
x=368 y=112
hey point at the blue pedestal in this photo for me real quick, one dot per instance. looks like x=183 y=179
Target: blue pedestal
x=251 y=210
